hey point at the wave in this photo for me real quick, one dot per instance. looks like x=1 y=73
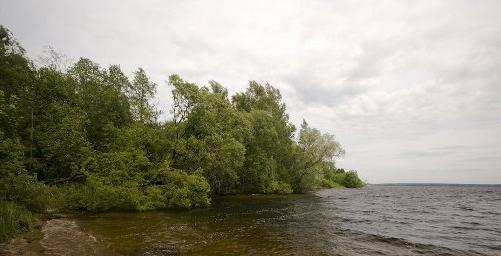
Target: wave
x=386 y=243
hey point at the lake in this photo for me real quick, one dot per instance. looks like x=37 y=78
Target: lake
x=374 y=220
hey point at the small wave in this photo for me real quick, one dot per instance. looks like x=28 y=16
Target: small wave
x=466 y=208
x=419 y=248
x=491 y=213
x=476 y=229
x=349 y=220
x=471 y=223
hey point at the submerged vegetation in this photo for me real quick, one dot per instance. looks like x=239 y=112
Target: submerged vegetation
x=89 y=138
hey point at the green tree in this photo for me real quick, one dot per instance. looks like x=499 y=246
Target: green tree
x=141 y=92
x=99 y=96
x=315 y=150
x=270 y=148
x=209 y=134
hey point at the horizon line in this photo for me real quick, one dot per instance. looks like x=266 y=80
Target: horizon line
x=433 y=183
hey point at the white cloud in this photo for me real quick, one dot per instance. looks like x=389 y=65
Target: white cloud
x=394 y=80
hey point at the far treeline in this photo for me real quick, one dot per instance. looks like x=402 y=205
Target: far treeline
x=89 y=138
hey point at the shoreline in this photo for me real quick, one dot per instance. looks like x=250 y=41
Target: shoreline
x=57 y=235
x=54 y=226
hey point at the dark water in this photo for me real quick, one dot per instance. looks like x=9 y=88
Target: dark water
x=375 y=220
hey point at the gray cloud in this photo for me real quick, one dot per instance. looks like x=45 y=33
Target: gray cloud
x=410 y=87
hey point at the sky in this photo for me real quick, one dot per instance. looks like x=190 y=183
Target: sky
x=411 y=89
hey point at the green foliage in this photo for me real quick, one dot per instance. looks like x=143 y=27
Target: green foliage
x=113 y=181
x=155 y=189
x=89 y=138
x=209 y=134
x=20 y=193
x=61 y=142
x=279 y=187
x=27 y=191
x=96 y=195
x=99 y=94
x=15 y=182
x=140 y=92
x=177 y=189
x=340 y=178
x=11 y=156
x=317 y=152
x=351 y=180
x=270 y=150
x=14 y=219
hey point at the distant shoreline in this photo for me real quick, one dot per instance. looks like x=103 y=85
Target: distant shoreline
x=430 y=184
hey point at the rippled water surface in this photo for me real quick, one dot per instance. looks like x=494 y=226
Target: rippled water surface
x=375 y=220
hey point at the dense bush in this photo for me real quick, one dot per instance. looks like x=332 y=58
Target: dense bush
x=341 y=178
x=14 y=218
x=95 y=195
x=177 y=189
x=20 y=192
x=27 y=191
x=130 y=188
x=351 y=180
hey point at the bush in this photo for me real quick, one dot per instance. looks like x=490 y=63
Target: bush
x=24 y=189
x=279 y=187
x=340 y=178
x=327 y=183
x=94 y=195
x=177 y=189
x=351 y=180
x=155 y=189
x=14 y=219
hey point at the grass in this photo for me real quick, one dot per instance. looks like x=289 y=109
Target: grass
x=14 y=219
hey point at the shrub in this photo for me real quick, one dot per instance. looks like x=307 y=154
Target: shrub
x=157 y=188
x=279 y=187
x=177 y=189
x=24 y=189
x=14 y=219
x=351 y=180
x=328 y=183
x=340 y=178
x=95 y=195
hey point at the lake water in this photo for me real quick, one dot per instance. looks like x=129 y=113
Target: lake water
x=375 y=220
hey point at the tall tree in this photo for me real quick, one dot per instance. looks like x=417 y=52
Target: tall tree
x=141 y=92
x=316 y=149
x=209 y=133
x=270 y=149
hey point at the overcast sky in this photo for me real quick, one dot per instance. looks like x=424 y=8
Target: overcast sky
x=411 y=89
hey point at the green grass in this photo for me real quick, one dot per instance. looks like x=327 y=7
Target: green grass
x=14 y=219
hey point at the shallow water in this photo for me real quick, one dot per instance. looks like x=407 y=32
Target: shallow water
x=375 y=220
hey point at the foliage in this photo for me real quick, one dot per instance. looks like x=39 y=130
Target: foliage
x=85 y=137
x=155 y=189
x=270 y=149
x=317 y=152
x=351 y=180
x=177 y=189
x=340 y=178
x=14 y=219
x=140 y=92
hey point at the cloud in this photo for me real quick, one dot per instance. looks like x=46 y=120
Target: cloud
x=401 y=83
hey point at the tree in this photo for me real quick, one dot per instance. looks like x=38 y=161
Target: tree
x=209 y=134
x=141 y=92
x=270 y=148
x=315 y=149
